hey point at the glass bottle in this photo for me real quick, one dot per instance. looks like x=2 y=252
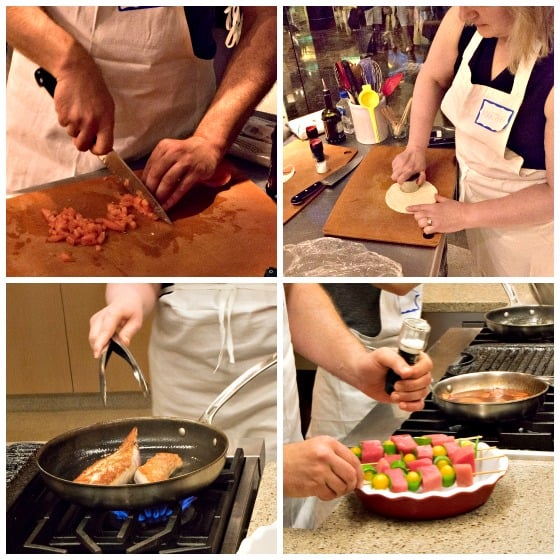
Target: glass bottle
x=413 y=339
x=334 y=130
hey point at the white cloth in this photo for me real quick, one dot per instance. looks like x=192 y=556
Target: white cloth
x=483 y=118
x=203 y=337
x=160 y=90
x=291 y=419
x=337 y=406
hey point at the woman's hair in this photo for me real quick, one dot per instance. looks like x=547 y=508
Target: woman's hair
x=532 y=33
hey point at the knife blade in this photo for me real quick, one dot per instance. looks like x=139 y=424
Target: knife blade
x=319 y=186
x=130 y=181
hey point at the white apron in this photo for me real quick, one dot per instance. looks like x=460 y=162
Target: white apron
x=337 y=406
x=203 y=337
x=291 y=420
x=483 y=118
x=160 y=90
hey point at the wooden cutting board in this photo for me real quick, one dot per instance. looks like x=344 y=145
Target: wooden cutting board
x=361 y=212
x=216 y=232
x=298 y=155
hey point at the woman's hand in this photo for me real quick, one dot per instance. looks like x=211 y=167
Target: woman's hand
x=409 y=162
x=445 y=216
x=322 y=467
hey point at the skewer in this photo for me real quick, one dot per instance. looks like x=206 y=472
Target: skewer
x=488 y=458
x=489 y=472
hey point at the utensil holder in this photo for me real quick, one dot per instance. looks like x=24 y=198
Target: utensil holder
x=363 y=127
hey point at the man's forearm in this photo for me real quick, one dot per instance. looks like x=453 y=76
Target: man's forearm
x=250 y=74
x=33 y=33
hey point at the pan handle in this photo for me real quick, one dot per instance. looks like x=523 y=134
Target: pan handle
x=511 y=294
x=234 y=387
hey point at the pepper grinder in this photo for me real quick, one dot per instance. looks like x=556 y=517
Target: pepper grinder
x=413 y=339
x=318 y=152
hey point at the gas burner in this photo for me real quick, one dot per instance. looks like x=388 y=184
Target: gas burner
x=40 y=521
x=156 y=514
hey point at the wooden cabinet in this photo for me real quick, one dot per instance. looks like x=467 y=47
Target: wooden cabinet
x=47 y=344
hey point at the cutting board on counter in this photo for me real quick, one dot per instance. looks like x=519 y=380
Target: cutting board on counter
x=298 y=155
x=361 y=212
x=228 y=231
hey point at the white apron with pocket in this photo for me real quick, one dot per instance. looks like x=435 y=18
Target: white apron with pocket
x=203 y=337
x=160 y=89
x=337 y=406
x=483 y=118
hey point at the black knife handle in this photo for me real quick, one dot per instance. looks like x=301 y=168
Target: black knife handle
x=313 y=190
x=45 y=79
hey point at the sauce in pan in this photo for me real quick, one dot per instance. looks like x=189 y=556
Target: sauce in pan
x=481 y=396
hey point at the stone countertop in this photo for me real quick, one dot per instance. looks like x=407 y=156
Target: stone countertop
x=265 y=510
x=471 y=298
x=518 y=518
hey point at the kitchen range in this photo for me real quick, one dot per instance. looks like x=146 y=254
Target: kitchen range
x=212 y=520
x=522 y=502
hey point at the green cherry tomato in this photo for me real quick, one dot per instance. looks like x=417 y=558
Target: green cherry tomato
x=399 y=465
x=389 y=447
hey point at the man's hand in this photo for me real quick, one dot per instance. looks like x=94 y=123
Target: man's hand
x=85 y=108
x=409 y=393
x=322 y=467
x=175 y=166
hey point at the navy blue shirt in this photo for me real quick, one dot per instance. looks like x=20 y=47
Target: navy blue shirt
x=527 y=132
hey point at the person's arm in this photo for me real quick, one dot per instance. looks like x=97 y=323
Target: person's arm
x=127 y=307
x=397 y=289
x=529 y=206
x=82 y=101
x=432 y=82
x=176 y=165
x=319 y=334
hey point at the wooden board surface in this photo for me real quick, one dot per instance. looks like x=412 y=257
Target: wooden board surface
x=298 y=155
x=361 y=212
x=229 y=231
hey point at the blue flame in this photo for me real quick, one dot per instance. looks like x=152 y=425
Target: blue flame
x=155 y=514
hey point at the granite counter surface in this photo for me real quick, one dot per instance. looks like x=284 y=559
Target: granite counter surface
x=518 y=518
x=471 y=297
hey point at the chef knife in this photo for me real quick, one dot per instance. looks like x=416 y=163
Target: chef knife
x=331 y=180
x=130 y=181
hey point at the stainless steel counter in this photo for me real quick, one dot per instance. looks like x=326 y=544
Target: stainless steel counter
x=308 y=224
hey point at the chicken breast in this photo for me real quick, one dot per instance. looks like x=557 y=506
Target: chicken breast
x=117 y=468
x=159 y=467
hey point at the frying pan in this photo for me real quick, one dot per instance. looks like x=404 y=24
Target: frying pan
x=201 y=446
x=491 y=411
x=521 y=321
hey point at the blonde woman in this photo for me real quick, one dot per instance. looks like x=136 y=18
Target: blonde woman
x=492 y=71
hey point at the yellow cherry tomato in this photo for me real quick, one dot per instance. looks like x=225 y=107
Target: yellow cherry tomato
x=357 y=451
x=466 y=443
x=380 y=481
x=447 y=470
x=409 y=457
x=438 y=450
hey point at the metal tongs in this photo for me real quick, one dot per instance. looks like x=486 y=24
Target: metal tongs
x=116 y=346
